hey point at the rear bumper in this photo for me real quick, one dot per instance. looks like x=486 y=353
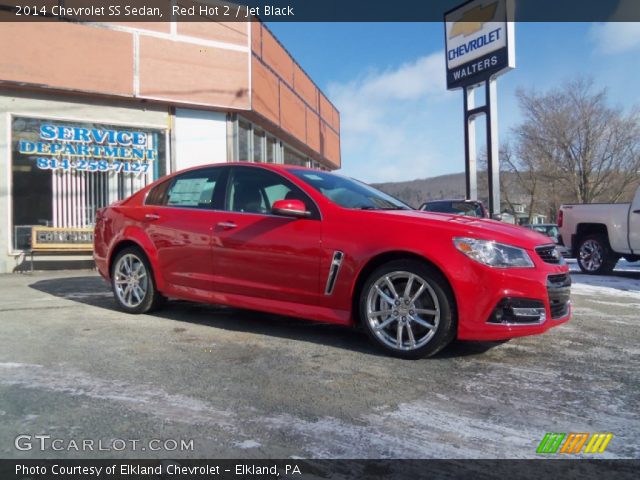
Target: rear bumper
x=565 y=250
x=102 y=266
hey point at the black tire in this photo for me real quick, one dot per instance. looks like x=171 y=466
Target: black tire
x=595 y=256
x=151 y=300
x=437 y=296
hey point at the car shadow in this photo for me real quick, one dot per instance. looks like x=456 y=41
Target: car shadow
x=94 y=291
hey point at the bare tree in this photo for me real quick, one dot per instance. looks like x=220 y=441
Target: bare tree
x=519 y=179
x=573 y=140
x=524 y=168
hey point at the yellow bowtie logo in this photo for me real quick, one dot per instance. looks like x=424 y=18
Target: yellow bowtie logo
x=473 y=20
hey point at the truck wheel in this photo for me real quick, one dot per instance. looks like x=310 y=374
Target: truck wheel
x=595 y=256
x=407 y=308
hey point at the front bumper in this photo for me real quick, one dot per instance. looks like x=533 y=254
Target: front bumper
x=498 y=304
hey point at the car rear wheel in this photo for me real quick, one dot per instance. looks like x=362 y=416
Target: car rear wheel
x=407 y=308
x=132 y=282
x=595 y=256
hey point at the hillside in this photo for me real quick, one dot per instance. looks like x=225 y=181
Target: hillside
x=414 y=192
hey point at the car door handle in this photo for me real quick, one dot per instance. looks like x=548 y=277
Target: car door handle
x=152 y=216
x=636 y=211
x=227 y=225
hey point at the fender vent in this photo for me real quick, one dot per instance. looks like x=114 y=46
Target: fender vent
x=336 y=262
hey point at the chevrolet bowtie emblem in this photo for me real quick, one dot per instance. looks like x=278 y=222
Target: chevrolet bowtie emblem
x=473 y=20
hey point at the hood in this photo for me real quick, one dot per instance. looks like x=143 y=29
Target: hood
x=462 y=226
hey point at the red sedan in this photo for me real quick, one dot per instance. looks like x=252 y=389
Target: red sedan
x=316 y=245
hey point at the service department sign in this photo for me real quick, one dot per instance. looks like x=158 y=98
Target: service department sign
x=479 y=41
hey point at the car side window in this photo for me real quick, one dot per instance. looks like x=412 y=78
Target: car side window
x=440 y=208
x=276 y=192
x=194 y=189
x=156 y=195
x=254 y=190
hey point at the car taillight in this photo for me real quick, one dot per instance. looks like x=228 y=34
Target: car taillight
x=560 y=218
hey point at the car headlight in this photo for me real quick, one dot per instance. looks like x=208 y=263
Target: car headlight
x=493 y=254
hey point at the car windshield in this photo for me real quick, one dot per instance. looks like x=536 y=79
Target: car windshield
x=548 y=230
x=457 y=208
x=349 y=193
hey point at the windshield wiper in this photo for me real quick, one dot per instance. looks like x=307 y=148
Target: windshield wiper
x=371 y=207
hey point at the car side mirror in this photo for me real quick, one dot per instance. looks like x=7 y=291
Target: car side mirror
x=290 y=208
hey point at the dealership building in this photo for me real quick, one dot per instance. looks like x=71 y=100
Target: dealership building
x=92 y=112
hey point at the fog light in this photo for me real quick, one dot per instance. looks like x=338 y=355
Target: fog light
x=518 y=311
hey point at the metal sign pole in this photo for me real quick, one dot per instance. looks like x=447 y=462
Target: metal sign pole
x=471 y=177
x=479 y=41
x=493 y=149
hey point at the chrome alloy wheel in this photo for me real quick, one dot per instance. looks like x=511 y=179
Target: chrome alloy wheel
x=403 y=310
x=591 y=255
x=130 y=280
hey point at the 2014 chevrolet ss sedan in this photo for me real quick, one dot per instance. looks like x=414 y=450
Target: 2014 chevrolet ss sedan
x=312 y=244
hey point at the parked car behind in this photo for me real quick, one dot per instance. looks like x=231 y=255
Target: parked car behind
x=470 y=208
x=598 y=234
x=311 y=244
x=550 y=230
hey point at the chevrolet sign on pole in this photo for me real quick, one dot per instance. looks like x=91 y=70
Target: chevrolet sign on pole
x=479 y=42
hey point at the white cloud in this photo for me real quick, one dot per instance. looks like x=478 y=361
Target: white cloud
x=390 y=120
x=616 y=37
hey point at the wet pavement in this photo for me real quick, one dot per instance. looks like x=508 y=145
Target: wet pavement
x=230 y=383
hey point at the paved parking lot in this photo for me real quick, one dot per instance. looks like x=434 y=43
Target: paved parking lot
x=244 y=384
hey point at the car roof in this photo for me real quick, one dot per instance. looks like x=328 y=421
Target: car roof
x=452 y=200
x=268 y=166
x=271 y=166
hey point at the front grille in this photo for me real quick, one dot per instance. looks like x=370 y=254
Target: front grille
x=559 y=309
x=559 y=291
x=549 y=254
x=559 y=280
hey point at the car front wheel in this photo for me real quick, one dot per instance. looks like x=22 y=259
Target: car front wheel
x=132 y=282
x=407 y=308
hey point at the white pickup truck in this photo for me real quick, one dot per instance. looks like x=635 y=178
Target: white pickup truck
x=598 y=234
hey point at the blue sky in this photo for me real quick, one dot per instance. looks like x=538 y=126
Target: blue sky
x=387 y=79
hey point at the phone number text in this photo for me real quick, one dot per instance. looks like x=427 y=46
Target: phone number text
x=91 y=165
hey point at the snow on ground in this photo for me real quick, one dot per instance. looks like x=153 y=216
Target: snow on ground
x=623 y=282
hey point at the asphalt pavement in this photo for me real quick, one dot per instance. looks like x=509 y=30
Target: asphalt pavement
x=230 y=383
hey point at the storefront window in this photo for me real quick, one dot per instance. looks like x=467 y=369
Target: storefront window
x=63 y=172
x=272 y=145
x=258 y=150
x=244 y=132
x=294 y=158
x=253 y=144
